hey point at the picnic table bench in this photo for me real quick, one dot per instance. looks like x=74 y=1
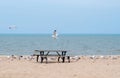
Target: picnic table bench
x=44 y=54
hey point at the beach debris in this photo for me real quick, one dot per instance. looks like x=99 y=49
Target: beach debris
x=114 y=57
x=28 y=57
x=13 y=57
x=19 y=57
x=8 y=57
x=53 y=58
x=76 y=58
x=92 y=57
x=101 y=56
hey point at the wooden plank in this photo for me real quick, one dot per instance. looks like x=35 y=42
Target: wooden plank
x=50 y=50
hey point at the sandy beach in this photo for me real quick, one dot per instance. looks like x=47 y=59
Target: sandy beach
x=85 y=67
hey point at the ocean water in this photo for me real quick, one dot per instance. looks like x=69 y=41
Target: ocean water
x=79 y=44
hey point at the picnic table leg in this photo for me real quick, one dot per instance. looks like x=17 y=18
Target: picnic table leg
x=63 y=59
x=68 y=57
x=37 y=58
x=58 y=59
x=46 y=59
x=42 y=59
x=63 y=56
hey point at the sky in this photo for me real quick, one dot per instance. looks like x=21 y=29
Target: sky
x=65 y=16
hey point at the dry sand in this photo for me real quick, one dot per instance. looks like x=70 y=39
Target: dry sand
x=83 y=68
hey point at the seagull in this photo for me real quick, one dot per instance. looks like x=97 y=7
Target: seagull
x=55 y=34
x=12 y=27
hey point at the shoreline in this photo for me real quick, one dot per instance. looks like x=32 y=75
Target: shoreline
x=72 y=58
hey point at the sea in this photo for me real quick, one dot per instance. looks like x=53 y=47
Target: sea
x=75 y=44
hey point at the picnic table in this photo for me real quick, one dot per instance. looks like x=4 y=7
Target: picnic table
x=44 y=54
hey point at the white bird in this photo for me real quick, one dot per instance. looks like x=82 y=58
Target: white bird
x=12 y=27
x=55 y=34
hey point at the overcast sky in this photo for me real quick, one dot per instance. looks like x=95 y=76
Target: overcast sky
x=66 y=16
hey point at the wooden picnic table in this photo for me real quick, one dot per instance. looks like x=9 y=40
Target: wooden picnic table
x=44 y=54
